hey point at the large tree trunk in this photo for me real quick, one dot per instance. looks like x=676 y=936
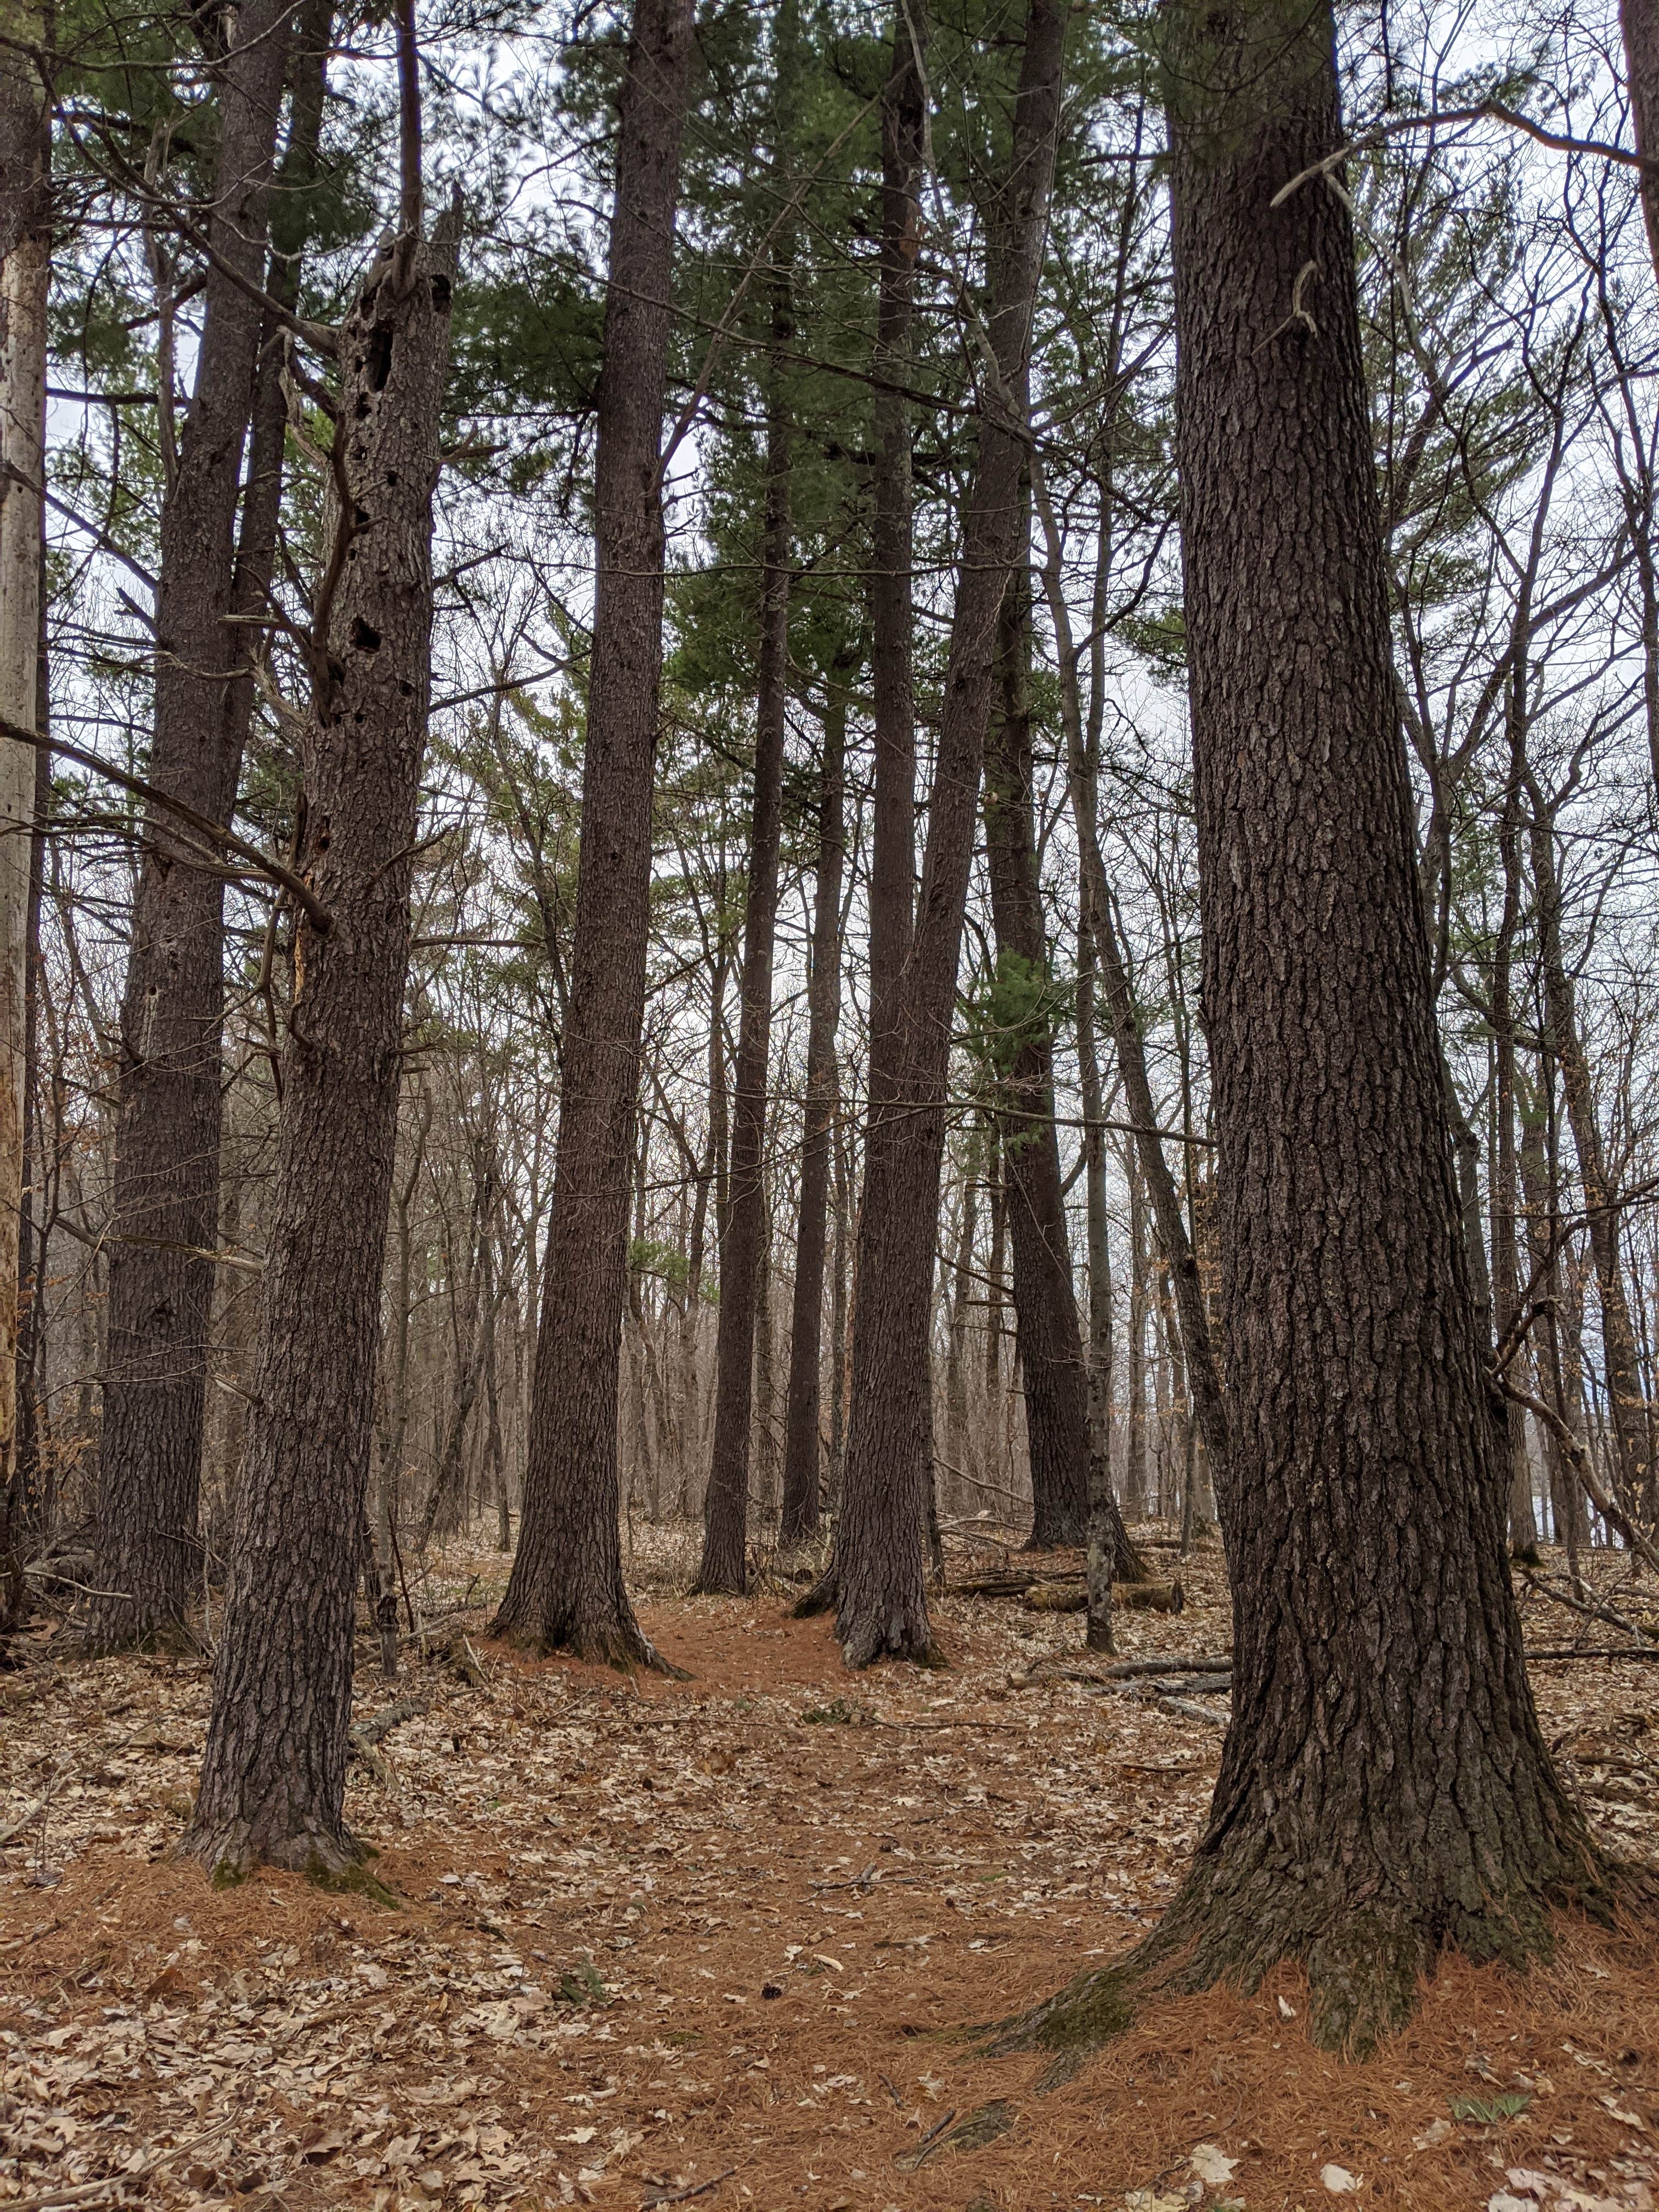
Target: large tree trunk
x=879 y=1568
x=25 y=273
x=1385 y=1791
x=273 y=1775
x=566 y=1590
x=1050 y=1336
x=724 y=1566
x=803 y=1450
x=1626 y=1402
x=165 y=1197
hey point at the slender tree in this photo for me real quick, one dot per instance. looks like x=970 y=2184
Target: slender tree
x=803 y=1445
x=566 y=1588
x=25 y=271
x=1638 y=19
x=881 y=1599
x=1385 y=1791
x=273 y=1774
x=165 y=1199
x=1050 y=1336
x=724 y=1564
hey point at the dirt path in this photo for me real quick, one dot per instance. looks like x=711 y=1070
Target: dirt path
x=659 y=1933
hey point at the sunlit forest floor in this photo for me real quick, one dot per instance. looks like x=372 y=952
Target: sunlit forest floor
x=716 y=1941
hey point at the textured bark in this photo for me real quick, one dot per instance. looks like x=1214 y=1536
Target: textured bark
x=1639 y=21
x=164 y=1195
x=566 y=1590
x=25 y=274
x=724 y=1566
x=879 y=1565
x=803 y=1450
x=273 y=1774
x=1384 y=1791
x=1627 y=1400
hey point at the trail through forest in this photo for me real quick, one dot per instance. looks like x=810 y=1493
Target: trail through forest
x=717 y=1940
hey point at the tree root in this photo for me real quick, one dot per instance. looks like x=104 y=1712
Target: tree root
x=607 y=1643
x=339 y=1863
x=1366 y=1967
x=821 y=1598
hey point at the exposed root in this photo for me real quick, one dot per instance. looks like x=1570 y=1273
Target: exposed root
x=911 y=1642
x=821 y=1598
x=339 y=1863
x=1365 y=1968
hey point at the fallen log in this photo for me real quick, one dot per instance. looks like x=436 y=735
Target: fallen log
x=1067 y=1597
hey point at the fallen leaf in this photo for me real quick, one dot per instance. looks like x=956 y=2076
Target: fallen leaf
x=1341 y=2182
x=1213 y=2165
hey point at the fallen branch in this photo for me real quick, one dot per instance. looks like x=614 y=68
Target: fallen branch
x=683 y=2195
x=1649 y=1651
x=1603 y=1612
x=380 y=1725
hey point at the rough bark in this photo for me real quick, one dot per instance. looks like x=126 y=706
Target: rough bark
x=803 y=1450
x=164 y=1195
x=25 y=274
x=566 y=1590
x=879 y=1565
x=273 y=1774
x=1050 y=1336
x=1385 y=1791
x=724 y=1566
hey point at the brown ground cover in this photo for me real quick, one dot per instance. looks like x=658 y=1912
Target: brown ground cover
x=716 y=1941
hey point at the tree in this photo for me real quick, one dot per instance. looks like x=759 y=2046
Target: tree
x=1050 y=1336
x=166 y=1183
x=1385 y=1791
x=880 y=1594
x=803 y=1451
x=566 y=1588
x=25 y=270
x=1638 y=19
x=273 y=1773
x=724 y=1566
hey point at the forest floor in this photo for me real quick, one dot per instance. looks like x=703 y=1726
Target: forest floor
x=715 y=1941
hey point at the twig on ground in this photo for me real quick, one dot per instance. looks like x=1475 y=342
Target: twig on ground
x=683 y=2195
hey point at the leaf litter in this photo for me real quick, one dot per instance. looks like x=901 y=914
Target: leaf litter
x=712 y=1941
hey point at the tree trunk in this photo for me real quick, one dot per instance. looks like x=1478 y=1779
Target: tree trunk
x=879 y=1569
x=1385 y=1791
x=724 y=1566
x=164 y=1200
x=1639 y=21
x=1045 y=1303
x=273 y=1775
x=24 y=277
x=566 y=1590
x=1505 y=1179
x=1623 y=1377
x=1113 y=974
x=1135 y=1494
x=803 y=1450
